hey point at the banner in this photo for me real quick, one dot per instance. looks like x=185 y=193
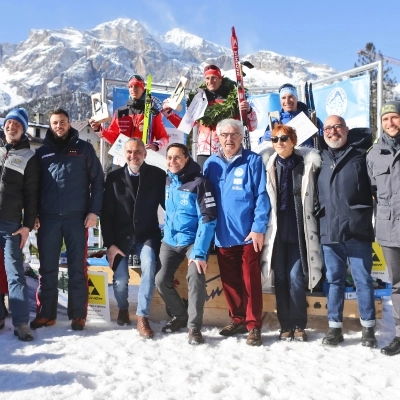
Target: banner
x=349 y=99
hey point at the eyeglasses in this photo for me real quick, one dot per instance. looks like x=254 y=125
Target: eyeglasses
x=335 y=127
x=283 y=138
x=233 y=135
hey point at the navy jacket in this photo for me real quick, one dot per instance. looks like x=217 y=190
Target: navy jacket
x=345 y=195
x=72 y=178
x=126 y=214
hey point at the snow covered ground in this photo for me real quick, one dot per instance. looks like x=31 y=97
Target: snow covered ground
x=106 y=361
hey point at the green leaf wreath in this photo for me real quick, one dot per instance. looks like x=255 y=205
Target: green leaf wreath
x=218 y=111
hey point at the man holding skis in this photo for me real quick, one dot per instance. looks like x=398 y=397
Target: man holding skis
x=129 y=119
x=291 y=107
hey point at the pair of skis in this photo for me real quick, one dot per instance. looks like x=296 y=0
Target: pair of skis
x=240 y=85
x=311 y=110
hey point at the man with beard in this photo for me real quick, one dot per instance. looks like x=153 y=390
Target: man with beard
x=345 y=222
x=19 y=186
x=383 y=169
x=71 y=197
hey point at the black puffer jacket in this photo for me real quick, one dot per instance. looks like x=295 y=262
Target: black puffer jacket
x=345 y=195
x=19 y=181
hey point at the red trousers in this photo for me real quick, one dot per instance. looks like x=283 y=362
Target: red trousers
x=241 y=280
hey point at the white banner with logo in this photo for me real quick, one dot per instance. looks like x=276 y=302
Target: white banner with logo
x=349 y=99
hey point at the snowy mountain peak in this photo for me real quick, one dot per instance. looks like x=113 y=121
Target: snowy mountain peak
x=51 y=62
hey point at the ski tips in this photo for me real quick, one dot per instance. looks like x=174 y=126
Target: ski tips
x=233 y=31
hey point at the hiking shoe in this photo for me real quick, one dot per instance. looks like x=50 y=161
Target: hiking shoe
x=78 y=324
x=174 y=325
x=233 y=329
x=368 y=337
x=286 y=335
x=392 y=348
x=23 y=332
x=144 y=328
x=254 y=338
x=39 y=322
x=300 y=335
x=333 y=337
x=2 y=323
x=195 y=336
x=123 y=317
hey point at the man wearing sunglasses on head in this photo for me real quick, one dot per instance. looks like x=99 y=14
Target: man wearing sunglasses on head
x=222 y=100
x=291 y=107
x=345 y=224
x=129 y=119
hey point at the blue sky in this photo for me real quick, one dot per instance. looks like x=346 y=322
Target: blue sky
x=328 y=32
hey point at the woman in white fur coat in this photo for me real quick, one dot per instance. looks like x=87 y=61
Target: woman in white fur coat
x=291 y=246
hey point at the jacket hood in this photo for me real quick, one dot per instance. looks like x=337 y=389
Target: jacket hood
x=309 y=155
x=188 y=172
x=49 y=139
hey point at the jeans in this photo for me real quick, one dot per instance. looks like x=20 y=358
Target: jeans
x=291 y=304
x=14 y=265
x=146 y=288
x=359 y=255
x=171 y=257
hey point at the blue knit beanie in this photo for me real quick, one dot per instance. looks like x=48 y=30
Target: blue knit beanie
x=20 y=115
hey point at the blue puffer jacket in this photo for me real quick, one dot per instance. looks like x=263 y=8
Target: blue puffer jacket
x=242 y=199
x=285 y=117
x=190 y=210
x=71 y=176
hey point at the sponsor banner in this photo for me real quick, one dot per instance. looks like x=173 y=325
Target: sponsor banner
x=98 y=302
x=379 y=270
x=349 y=99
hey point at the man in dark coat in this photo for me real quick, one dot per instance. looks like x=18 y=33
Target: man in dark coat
x=345 y=220
x=129 y=223
x=71 y=197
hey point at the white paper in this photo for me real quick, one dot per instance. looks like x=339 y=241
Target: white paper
x=118 y=148
x=304 y=127
x=195 y=111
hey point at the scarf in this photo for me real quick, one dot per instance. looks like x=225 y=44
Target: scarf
x=287 y=165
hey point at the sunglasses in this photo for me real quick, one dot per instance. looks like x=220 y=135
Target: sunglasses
x=283 y=138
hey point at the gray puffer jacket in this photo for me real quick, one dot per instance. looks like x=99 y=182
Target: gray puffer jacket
x=383 y=163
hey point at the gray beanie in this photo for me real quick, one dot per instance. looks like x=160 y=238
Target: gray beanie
x=390 y=107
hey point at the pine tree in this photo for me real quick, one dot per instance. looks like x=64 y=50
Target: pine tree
x=367 y=56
